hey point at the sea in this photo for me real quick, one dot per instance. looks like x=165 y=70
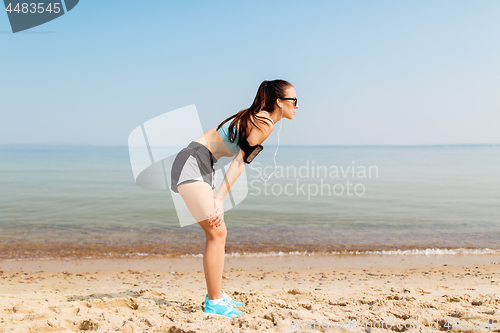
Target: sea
x=71 y=201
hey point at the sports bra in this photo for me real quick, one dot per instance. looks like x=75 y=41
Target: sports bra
x=224 y=134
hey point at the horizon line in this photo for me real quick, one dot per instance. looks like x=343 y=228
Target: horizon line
x=291 y=146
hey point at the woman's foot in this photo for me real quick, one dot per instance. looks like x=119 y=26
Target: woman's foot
x=223 y=308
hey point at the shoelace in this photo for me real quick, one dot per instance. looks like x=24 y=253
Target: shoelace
x=227 y=297
x=228 y=304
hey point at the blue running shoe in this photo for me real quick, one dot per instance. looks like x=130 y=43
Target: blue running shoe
x=223 y=309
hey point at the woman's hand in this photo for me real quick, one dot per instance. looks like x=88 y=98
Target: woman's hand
x=216 y=217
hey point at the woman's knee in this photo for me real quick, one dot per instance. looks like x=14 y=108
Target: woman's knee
x=214 y=233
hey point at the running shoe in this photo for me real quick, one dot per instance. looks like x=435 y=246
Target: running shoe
x=223 y=309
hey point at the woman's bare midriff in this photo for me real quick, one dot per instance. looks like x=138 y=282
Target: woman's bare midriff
x=212 y=140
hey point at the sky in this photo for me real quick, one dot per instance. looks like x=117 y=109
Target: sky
x=365 y=72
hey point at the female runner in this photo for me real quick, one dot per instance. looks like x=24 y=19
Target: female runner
x=240 y=135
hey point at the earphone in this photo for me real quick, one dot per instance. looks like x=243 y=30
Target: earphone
x=275 y=165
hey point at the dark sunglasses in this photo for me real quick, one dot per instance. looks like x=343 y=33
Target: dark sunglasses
x=291 y=99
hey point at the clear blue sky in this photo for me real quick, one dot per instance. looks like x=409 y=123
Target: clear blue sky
x=365 y=72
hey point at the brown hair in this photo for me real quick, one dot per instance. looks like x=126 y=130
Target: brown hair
x=266 y=96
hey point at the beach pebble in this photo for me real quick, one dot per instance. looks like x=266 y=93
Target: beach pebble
x=88 y=325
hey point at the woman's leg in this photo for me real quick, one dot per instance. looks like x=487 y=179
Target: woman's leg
x=213 y=258
x=199 y=198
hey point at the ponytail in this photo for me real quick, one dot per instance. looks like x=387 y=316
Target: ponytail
x=260 y=99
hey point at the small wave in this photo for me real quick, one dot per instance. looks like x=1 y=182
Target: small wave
x=436 y=251
x=409 y=252
x=430 y=251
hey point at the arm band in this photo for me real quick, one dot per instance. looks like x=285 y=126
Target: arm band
x=250 y=151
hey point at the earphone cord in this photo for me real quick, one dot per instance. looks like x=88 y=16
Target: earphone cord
x=275 y=165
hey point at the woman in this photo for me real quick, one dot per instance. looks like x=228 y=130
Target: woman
x=193 y=170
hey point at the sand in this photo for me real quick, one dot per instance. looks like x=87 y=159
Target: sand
x=282 y=294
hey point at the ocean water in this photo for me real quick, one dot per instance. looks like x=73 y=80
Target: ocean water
x=82 y=201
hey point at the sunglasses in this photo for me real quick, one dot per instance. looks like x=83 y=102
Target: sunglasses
x=291 y=99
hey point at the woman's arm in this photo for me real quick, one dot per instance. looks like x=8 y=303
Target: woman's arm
x=235 y=170
x=256 y=136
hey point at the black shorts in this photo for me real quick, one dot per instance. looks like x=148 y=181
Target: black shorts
x=193 y=163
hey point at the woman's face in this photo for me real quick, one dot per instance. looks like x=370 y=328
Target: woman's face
x=288 y=104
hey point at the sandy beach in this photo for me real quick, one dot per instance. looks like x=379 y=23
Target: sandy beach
x=282 y=294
